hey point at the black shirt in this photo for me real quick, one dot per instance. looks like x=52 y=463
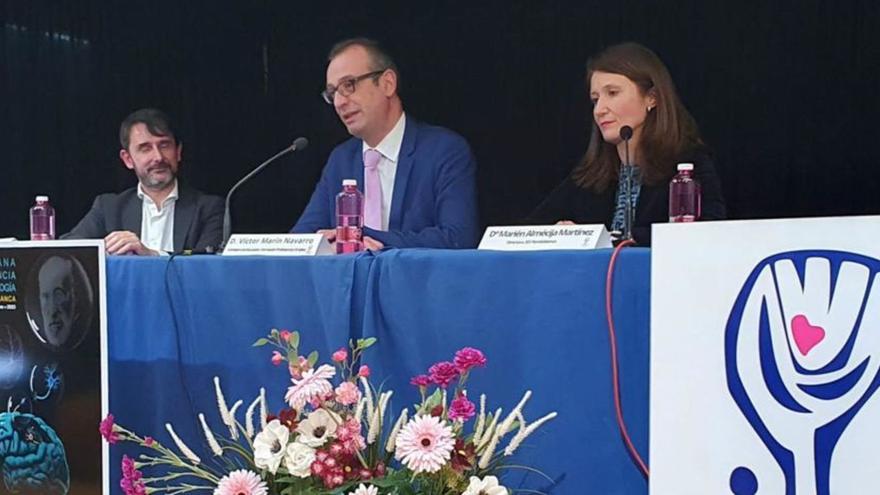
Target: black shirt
x=569 y=201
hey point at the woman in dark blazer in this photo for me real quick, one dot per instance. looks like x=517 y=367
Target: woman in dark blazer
x=630 y=86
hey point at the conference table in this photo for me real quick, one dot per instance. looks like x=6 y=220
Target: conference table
x=539 y=317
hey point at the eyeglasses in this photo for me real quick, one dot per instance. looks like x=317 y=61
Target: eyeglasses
x=347 y=86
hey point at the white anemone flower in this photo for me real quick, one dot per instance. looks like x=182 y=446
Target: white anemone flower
x=365 y=490
x=270 y=445
x=486 y=486
x=298 y=459
x=318 y=427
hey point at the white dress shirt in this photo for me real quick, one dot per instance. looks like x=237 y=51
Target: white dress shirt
x=157 y=223
x=389 y=148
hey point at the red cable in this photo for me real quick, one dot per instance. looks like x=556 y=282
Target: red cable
x=614 y=371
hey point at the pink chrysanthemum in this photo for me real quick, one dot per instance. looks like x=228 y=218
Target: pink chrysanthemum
x=131 y=483
x=349 y=436
x=106 y=429
x=462 y=409
x=314 y=384
x=347 y=393
x=443 y=373
x=424 y=444
x=468 y=358
x=241 y=482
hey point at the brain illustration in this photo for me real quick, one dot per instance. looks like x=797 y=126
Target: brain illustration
x=11 y=357
x=32 y=459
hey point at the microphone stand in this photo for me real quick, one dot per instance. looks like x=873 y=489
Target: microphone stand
x=299 y=143
x=627 y=167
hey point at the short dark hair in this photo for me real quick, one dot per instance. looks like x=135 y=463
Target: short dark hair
x=156 y=120
x=379 y=58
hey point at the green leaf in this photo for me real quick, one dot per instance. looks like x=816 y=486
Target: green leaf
x=292 y=357
x=388 y=482
x=364 y=343
x=294 y=340
x=313 y=358
x=286 y=479
x=434 y=400
x=261 y=342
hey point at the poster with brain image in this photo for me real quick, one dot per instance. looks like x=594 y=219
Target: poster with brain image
x=53 y=386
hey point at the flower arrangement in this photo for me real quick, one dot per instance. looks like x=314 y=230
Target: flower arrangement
x=337 y=435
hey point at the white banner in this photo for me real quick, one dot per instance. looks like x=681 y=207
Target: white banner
x=277 y=245
x=765 y=357
x=545 y=237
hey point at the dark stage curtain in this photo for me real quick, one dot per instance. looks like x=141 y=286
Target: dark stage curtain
x=785 y=92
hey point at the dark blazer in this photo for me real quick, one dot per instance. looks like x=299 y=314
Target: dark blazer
x=569 y=201
x=198 y=218
x=434 y=203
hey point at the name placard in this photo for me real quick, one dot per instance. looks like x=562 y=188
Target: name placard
x=542 y=237
x=277 y=245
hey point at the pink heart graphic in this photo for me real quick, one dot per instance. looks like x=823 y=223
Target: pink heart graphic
x=806 y=336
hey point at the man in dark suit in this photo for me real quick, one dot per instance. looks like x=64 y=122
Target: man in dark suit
x=160 y=215
x=419 y=180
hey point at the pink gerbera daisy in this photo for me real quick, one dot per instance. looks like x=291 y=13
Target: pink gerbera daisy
x=424 y=444
x=241 y=482
x=313 y=384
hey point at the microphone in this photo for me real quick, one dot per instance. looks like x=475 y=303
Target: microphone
x=626 y=134
x=299 y=144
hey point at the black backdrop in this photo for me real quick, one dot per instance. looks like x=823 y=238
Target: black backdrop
x=786 y=93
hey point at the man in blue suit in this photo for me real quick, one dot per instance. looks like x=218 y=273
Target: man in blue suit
x=419 y=180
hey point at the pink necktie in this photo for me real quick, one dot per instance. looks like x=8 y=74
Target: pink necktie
x=373 y=190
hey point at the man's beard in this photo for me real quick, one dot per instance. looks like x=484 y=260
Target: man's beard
x=151 y=182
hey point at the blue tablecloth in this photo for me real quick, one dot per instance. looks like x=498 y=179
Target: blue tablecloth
x=539 y=317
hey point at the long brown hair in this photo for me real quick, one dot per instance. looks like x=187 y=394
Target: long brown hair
x=668 y=132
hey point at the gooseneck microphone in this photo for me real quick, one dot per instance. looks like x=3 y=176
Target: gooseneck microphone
x=626 y=133
x=299 y=144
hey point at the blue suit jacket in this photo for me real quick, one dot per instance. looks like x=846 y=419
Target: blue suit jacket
x=434 y=202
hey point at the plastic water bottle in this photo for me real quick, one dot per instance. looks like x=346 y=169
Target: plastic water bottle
x=684 y=195
x=42 y=220
x=349 y=218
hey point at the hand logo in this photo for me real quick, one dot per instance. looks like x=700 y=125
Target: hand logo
x=802 y=355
